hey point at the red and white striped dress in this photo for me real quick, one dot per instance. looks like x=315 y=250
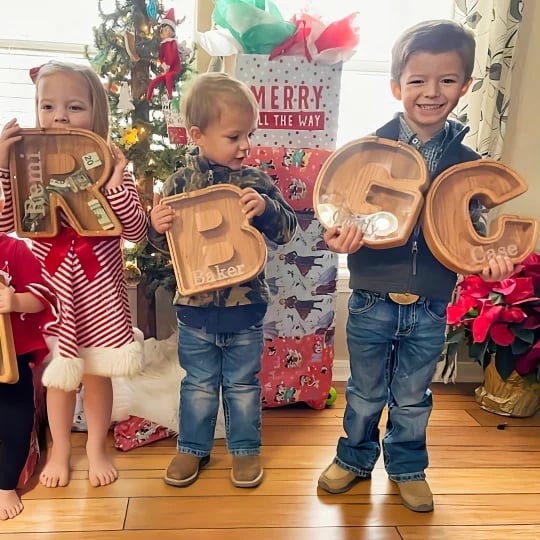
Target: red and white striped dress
x=95 y=333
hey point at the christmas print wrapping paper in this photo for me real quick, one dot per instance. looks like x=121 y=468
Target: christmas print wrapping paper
x=296 y=369
x=299 y=323
x=293 y=171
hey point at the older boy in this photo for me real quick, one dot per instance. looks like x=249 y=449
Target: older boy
x=395 y=341
x=220 y=337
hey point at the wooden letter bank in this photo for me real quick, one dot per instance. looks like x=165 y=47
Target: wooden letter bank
x=380 y=185
x=9 y=372
x=212 y=244
x=55 y=169
x=64 y=169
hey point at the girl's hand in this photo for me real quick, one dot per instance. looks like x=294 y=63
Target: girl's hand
x=9 y=135
x=498 y=268
x=7 y=299
x=252 y=203
x=344 y=239
x=161 y=217
x=119 y=164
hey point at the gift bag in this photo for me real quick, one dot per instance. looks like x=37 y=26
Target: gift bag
x=176 y=128
x=298 y=100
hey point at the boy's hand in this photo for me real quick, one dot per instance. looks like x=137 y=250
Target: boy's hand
x=252 y=203
x=161 y=217
x=7 y=299
x=119 y=164
x=344 y=239
x=8 y=136
x=498 y=268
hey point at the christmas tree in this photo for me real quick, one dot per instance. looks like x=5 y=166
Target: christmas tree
x=128 y=55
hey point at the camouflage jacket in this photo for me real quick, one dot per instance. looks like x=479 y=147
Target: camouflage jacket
x=277 y=223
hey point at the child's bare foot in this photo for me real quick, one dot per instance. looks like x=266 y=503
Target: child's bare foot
x=10 y=504
x=101 y=470
x=56 y=470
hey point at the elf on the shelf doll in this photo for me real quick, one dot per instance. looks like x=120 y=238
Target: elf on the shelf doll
x=169 y=56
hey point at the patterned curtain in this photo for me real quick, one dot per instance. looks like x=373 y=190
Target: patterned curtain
x=495 y=24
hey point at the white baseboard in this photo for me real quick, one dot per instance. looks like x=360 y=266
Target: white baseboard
x=340 y=370
x=468 y=371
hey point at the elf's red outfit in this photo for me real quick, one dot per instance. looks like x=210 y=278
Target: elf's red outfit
x=171 y=61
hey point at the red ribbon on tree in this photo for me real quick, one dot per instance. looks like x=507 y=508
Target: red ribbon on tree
x=83 y=246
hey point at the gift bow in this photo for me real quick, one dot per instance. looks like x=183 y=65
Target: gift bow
x=83 y=246
x=328 y=44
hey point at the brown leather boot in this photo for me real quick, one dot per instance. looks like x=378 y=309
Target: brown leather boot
x=184 y=469
x=247 y=471
x=416 y=495
x=335 y=479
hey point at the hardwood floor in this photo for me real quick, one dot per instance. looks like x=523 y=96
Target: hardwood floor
x=486 y=484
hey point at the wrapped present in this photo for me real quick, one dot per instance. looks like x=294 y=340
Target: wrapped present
x=297 y=369
x=135 y=431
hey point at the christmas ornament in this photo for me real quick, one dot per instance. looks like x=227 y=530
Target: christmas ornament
x=129 y=42
x=169 y=56
x=125 y=101
x=132 y=274
x=151 y=9
x=129 y=136
x=176 y=129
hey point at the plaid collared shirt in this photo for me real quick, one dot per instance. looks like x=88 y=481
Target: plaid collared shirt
x=431 y=150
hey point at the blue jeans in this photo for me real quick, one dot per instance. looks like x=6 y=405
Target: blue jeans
x=393 y=351
x=230 y=362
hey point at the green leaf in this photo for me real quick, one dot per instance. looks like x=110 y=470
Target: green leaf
x=478 y=350
x=456 y=336
x=496 y=298
x=505 y=362
x=524 y=334
x=520 y=347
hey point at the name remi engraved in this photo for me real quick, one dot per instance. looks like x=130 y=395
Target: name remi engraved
x=217 y=274
x=37 y=200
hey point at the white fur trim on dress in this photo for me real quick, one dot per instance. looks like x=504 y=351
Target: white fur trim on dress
x=66 y=373
x=125 y=361
x=63 y=373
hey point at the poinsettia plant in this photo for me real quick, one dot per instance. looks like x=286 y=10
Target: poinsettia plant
x=501 y=320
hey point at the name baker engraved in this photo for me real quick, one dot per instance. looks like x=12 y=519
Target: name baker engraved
x=220 y=272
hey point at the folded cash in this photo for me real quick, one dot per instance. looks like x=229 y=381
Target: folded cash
x=62 y=185
x=80 y=178
x=101 y=215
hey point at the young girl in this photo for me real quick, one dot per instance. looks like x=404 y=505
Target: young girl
x=94 y=339
x=32 y=306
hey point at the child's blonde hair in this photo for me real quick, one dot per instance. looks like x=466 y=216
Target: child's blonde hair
x=98 y=96
x=211 y=93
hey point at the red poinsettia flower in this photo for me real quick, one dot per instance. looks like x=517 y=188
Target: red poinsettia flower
x=504 y=314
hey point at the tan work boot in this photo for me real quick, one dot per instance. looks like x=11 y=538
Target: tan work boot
x=416 y=495
x=184 y=469
x=335 y=479
x=247 y=471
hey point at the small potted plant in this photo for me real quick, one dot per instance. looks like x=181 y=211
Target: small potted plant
x=500 y=322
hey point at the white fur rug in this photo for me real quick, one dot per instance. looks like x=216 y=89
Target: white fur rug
x=154 y=394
